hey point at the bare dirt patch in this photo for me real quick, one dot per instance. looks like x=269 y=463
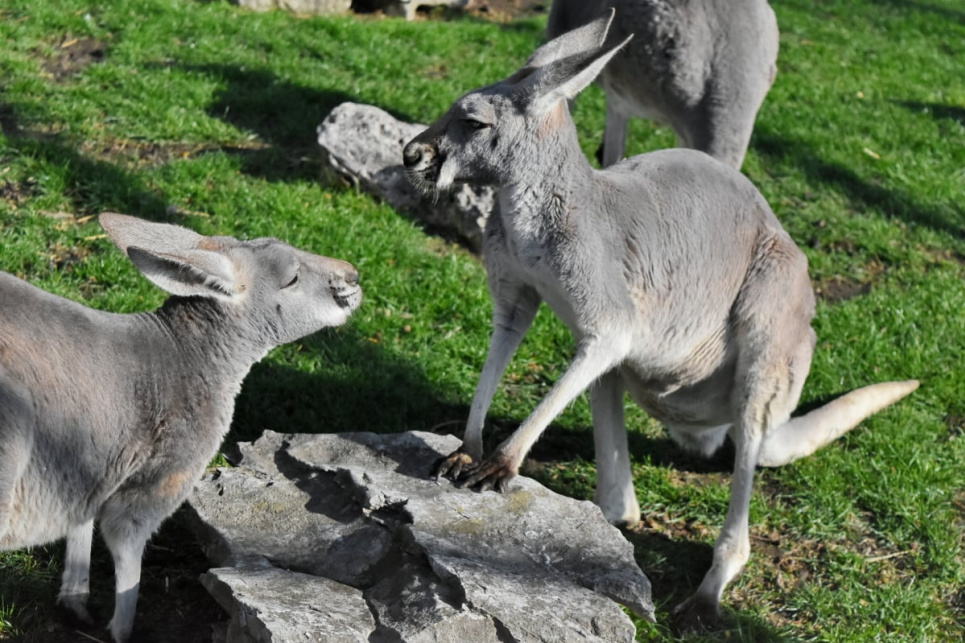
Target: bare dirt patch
x=135 y=154
x=73 y=55
x=14 y=193
x=955 y=424
x=62 y=257
x=838 y=289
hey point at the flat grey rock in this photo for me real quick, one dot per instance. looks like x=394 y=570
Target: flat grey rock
x=272 y=605
x=358 y=517
x=405 y=8
x=307 y=7
x=363 y=144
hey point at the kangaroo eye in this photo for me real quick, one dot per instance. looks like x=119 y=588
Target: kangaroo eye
x=293 y=281
x=473 y=124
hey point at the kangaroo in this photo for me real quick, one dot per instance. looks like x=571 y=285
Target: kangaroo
x=670 y=269
x=111 y=418
x=701 y=66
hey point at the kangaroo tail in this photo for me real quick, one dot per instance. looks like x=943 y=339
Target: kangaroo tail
x=802 y=436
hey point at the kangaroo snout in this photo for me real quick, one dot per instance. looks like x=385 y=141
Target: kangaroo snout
x=414 y=153
x=422 y=164
x=351 y=276
x=345 y=273
x=343 y=281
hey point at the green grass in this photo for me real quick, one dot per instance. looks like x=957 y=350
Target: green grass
x=859 y=148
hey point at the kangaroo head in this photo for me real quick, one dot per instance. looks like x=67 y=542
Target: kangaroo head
x=495 y=132
x=283 y=292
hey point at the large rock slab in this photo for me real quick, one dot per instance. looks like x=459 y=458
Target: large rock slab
x=406 y=8
x=363 y=144
x=307 y=7
x=346 y=537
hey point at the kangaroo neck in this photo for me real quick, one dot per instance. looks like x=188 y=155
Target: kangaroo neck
x=536 y=201
x=208 y=338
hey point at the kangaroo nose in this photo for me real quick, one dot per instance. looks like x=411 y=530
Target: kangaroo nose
x=352 y=277
x=412 y=154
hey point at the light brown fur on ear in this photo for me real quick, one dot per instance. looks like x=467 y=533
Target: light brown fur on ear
x=209 y=244
x=554 y=120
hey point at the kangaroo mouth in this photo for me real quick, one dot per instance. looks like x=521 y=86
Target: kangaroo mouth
x=426 y=179
x=348 y=299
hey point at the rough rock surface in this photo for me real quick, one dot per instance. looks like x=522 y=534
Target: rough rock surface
x=347 y=538
x=408 y=8
x=309 y=7
x=364 y=144
x=405 y=8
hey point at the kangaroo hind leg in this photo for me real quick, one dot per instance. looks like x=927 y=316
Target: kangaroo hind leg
x=774 y=343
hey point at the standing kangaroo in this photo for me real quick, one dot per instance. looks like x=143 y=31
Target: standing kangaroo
x=112 y=417
x=676 y=279
x=701 y=66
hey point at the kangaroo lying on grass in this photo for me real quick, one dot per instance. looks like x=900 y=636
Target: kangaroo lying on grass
x=112 y=417
x=701 y=66
x=677 y=280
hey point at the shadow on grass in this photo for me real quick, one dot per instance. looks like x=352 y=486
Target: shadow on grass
x=283 y=115
x=778 y=150
x=367 y=388
x=936 y=110
x=675 y=563
x=173 y=608
x=925 y=7
x=92 y=186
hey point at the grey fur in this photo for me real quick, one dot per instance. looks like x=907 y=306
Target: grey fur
x=676 y=279
x=112 y=418
x=701 y=66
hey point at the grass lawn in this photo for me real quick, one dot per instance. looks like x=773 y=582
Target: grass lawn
x=204 y=114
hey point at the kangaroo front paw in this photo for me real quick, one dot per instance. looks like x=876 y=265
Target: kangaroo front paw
x=495 y=472
x=698 y=614
x=456 y=464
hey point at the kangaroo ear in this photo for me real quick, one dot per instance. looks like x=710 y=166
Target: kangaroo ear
x=589 y=37
x=191 y=273
x=126 y=231
x=565 y=78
